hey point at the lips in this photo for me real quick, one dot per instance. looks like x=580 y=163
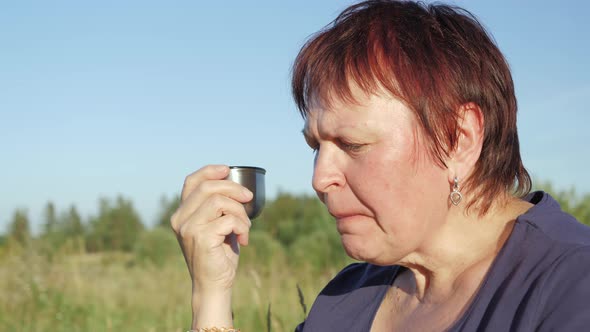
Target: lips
x=342 y=215
x=346 y=217
x=340 y=208
x=343 y=212
x=349 y=223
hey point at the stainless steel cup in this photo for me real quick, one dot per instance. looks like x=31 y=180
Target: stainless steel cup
x=253 y=179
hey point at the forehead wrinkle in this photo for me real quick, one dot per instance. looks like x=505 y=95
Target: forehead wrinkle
x=315 y=125
x=324 y=121
x=338 y=114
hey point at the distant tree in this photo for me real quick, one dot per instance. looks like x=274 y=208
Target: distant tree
x=575 y=204
x=19 y=228
x=291 y=216
x=72 y=223
x=157 y=246
x=50 y=235
x=168 y=207
x=116 y=227
x=582 y=209
x=58 y=229
x=50 y=219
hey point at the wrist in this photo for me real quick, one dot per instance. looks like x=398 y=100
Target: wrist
x=212 y=309
x=215 y=329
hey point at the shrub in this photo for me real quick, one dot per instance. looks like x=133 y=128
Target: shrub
x=263 y=250
x=156 y=246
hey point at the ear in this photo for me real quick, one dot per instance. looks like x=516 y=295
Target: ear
x=470 y=132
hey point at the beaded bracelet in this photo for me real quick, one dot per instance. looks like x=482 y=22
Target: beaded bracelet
x=215 y=329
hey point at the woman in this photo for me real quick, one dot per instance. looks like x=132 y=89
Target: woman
x=411 y=112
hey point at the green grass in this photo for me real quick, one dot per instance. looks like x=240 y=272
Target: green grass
x=75 y=291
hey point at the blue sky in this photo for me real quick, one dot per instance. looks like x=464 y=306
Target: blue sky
x=101 y=98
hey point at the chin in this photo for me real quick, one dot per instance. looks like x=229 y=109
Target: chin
x=356 y=248
x=363 y=250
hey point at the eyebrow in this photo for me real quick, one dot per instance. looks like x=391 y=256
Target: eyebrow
x=308 y=135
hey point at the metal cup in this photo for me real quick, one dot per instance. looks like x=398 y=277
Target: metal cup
x=253 y=179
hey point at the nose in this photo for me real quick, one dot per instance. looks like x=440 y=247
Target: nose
x=327 y=175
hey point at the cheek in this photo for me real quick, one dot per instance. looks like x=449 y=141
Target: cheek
x=401 y=191
x=389 y=176
x=381 y=187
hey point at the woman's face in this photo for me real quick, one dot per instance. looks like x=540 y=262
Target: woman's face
x=374 y=175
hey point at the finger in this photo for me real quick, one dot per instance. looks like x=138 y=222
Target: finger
x=213 y=207
x=209 y=172
x=216 y=206
x=213 y=234
x=228 y=224
x=207 y=189
x=244 y=239
x=201 y=179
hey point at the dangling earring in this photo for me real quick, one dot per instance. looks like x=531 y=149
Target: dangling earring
x=455 y=195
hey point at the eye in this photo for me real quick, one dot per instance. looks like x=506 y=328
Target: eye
x=315 y=146
x=312 y=143
x=350 y=147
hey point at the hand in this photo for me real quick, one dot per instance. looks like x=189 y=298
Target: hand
x=210 y=224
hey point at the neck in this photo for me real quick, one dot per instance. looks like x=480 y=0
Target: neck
x=456 y=257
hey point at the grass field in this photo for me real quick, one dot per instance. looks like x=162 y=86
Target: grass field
x=76 y=291
x=57 y=286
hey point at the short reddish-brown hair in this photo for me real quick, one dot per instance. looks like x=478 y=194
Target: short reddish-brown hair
x=435 y=58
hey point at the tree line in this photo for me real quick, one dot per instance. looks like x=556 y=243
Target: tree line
x=287 y=222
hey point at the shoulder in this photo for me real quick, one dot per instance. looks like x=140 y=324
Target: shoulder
x=557 y=246
x=541 y=276
x=534 y=288
x=554 y=244
x=570 y=270
x=566 y=292
x=556 y=226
